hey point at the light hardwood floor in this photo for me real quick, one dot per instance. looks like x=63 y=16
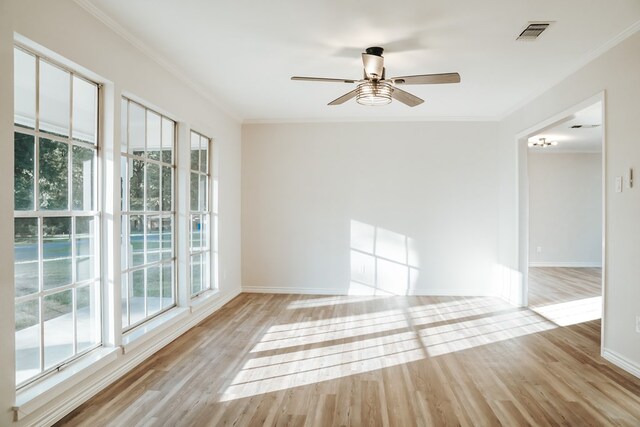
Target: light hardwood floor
x=549 y=285
x=291 y=360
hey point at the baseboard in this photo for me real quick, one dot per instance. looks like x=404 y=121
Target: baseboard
x=328 y=291
x=288 y=290
x=83 y=394
x=569 y=264
x=621 y=362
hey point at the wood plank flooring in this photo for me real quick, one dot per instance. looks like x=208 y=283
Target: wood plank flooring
x=552 y=285
x=292 y=360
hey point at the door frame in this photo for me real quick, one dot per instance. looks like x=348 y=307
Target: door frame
x=522 y=189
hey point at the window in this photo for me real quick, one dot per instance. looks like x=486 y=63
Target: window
x=56 y=216
x=147 y=169
x=199 y=247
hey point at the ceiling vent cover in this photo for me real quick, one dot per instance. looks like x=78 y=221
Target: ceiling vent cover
x=584 y=126
x=533 y=30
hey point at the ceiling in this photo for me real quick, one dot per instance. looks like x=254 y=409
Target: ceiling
x=581 y=140
x=243 y=53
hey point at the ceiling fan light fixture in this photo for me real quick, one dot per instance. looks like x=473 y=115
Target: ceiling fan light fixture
x=374 y=93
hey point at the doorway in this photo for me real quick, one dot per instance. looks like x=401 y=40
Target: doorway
x=562 y=214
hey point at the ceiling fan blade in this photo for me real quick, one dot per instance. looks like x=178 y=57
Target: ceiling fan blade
x=322 y=79
x=373 y=65
x=427 y=79
x=344 y=98
x=406 y=97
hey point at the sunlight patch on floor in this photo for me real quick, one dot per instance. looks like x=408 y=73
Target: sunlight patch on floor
x=374 y=323
x=309 y=352
x=308 y=367
x=331 y=301
x=435 y=308
x=487 y=330
x=572 y=312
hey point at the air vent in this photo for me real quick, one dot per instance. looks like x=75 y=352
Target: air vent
x=584 y=126
x=533 y=31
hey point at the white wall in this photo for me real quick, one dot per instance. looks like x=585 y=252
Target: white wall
x=565 y=209
x=618 y=73
x=7 y=307
x=313 y=195
x=71 y=32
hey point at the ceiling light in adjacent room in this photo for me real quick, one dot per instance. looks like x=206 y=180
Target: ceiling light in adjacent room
x=542 y=142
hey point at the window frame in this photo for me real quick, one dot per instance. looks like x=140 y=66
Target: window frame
x=204 y=252
x=39 y=214
x=126 y=213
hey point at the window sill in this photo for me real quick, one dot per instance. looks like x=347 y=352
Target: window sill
x=204 y=300
x=36 y=396
x=153 y=328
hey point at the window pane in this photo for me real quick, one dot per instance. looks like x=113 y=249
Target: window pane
x=85 y=106
x=85 y=248
x=167 y=285
x=124 y=289
x=167 y=188
x=123 y=181
x=58 y=328
x=24 y=101
x=55 y=96
x=54 y=180
x=168 y=132
x=83 y=169
x=193 y=193
x=204 y=155
x=167 y=233
x=196 y=234
x=202 y=193
x=153 y=135
x=204 y=231
x=136 y=302
x=26 y=268
x=136 y=185
x=195 y=151
x=56 y=252
x=153 y=238
x=136 y=129
x=124 y=113
x=87 y=317
x=23 y=171
x=153 y=290
x=196 y=274
x=204 y=257
x=136 y=240
x=153 y=187
x=27 y=340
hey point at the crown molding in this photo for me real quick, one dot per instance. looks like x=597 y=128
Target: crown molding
x=155 y=56
x=362 y=119
x=586 y=59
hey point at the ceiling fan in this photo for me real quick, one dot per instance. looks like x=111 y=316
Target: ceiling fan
x=375 y=89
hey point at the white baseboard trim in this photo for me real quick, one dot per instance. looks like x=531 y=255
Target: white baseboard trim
x=292 y=290
x=74 y=399
x=621 y=362
x=569 y=264
x=328 y=291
